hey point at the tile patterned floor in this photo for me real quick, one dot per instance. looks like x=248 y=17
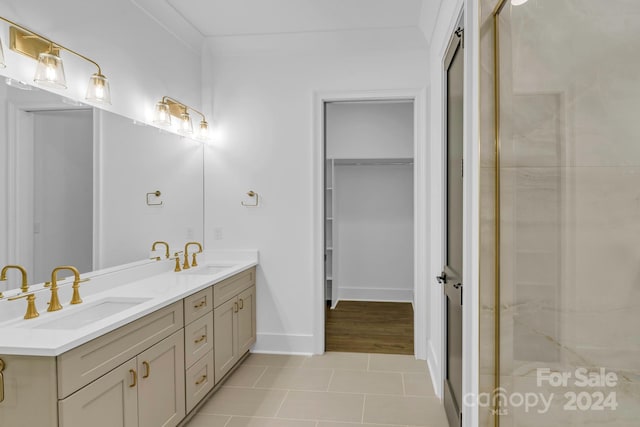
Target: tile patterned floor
x=332 y=390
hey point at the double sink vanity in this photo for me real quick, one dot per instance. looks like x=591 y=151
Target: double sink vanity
x=144 y=348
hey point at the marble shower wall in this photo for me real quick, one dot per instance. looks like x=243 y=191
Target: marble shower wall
x=570 y=205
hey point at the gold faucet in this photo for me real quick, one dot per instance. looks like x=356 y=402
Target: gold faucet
x=3 y=276
x=166 y=245
x=54 y=304
x=194 y=263
x=32 y=312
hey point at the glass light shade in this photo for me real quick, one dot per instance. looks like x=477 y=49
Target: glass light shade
x=203 y=132
x=50 y=71
x=518 y=2
x=98 y=89
x=2 y=64
x=185 y=126
x=162 y=115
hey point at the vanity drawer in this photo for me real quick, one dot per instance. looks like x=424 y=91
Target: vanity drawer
x=198 y=339
x=198 y=304
x=82 y=365
x=232 y=286
x=199 y=380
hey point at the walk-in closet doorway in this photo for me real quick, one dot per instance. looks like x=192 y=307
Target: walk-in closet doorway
x=369 y=226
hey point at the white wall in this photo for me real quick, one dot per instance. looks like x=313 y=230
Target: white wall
x=137 y=160
x=141 y=59
x=374 y=223
x=263 y=111
x=369 y=130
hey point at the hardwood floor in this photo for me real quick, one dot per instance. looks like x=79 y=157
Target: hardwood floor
x=370 y=327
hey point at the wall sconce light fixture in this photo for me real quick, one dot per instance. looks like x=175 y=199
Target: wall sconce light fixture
x=50 y=70
x=168 y=107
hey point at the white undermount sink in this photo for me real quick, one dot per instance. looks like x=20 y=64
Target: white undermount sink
x=85 y=314
x=209 y=269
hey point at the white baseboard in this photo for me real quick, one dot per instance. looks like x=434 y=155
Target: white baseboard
x=375 y=294
x=297 y=344
x=434 y=370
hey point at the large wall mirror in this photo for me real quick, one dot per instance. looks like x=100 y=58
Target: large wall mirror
x=78 y=186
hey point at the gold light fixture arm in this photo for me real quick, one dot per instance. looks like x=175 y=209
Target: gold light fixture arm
x=22 y=30
x=175 y=106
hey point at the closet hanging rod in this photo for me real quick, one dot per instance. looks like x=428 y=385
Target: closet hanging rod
x=373 y=162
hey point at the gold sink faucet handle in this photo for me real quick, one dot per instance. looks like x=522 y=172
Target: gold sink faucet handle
x=194 y=262
x=54 y=303
x=177 y=258
x=75 y=299
x=32 y=312
x=166 y=247
x=3 y=276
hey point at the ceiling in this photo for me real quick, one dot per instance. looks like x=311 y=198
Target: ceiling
x=194 y=20
x=241 y=17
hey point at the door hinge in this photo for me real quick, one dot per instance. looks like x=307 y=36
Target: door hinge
x=460 y=33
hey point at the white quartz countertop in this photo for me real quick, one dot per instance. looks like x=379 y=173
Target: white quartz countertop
x=137 y=289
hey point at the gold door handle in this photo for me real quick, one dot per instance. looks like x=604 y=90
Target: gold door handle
x=134 y=378
x=147 y=369
x=201 y=380
x=1 y=380
x=202 y=304
x=241 y=303
x=199 y=340
x=235 y=307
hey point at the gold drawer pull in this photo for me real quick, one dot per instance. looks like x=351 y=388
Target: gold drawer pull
x=241 y=303
x=202 y=304
x=1 y=380
x=147 y=369
x=199 y=340
x=201 y=380
x=134 y=378
x=235 y=307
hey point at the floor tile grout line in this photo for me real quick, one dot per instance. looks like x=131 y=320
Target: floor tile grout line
x=333 y=372
x=364 y=403
x=404 y=389
x=264 y=371
x=282 y=403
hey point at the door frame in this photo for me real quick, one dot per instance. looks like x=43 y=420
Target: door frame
x=449 y=16
x=19 y=125
x=420 y=196
x=455 y=42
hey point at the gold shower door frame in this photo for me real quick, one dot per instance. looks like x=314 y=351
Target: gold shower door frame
x=496 y=297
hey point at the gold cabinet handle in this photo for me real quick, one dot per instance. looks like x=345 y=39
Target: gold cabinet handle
x=134 y=378
x=1 y=380
x=199 y=340
x=235 y=307
x=241 y=303
x=147 y=369
x=201 y=380
x=202 y=304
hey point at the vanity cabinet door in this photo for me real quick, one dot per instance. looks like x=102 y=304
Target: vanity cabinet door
x=161 y=383
x=110 y=401
x=246 y=320
x=225 y=347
